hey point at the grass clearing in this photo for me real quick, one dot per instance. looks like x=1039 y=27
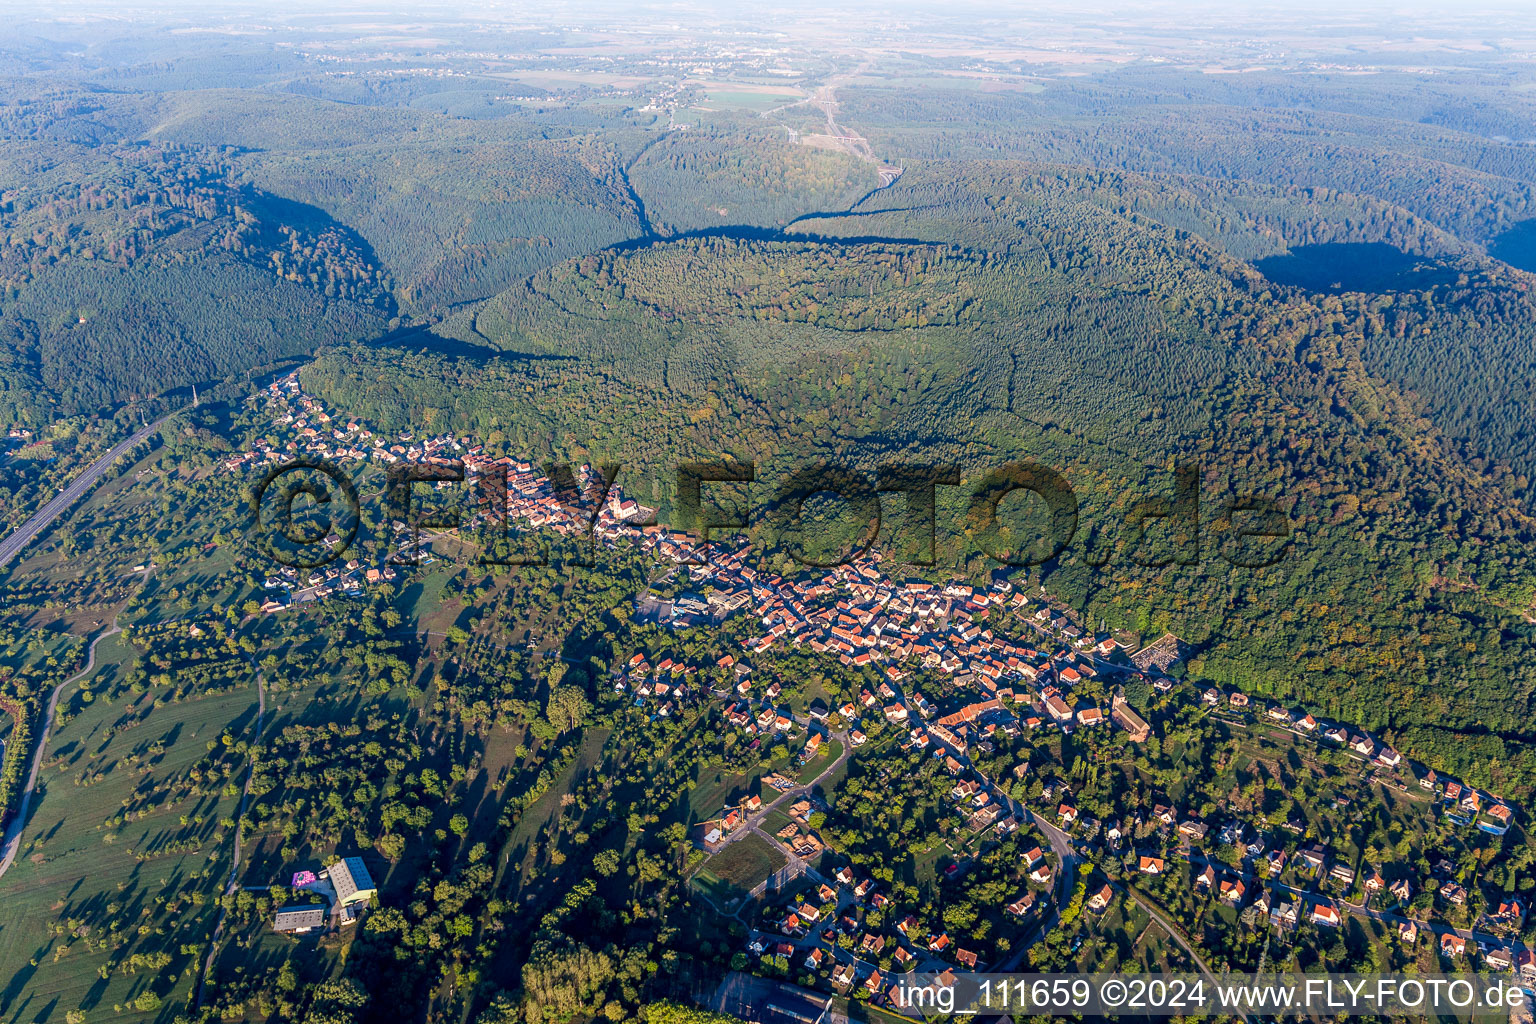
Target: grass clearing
x=522 y=850
x=107 y=869
x=754 y=101
x=829 y=752
x=732 y=873
x=713 y=790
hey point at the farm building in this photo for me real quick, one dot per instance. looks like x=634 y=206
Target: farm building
x=352 y=882
x=298 y=920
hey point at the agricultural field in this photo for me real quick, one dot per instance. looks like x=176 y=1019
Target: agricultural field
x=745 y=99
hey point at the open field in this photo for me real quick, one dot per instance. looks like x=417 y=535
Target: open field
x=522 y=849
x=715 y=789
x=830 y=751
x=107 y=856
x=730 y=874
x=757 y=101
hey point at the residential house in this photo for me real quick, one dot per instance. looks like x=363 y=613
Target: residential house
x=1023 y=905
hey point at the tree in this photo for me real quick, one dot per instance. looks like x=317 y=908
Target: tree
x=568 y=705
x=606 y=862
x=336 y=1002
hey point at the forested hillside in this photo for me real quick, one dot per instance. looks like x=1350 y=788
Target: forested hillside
x=129 y=270
x=1032 y=341
x=700 y=179
x=1370 y=366
x=1427 y=150
x=1441 y=322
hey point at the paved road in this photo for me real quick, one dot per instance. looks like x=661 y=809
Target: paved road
x=755 y=821
x=19 y=823
x=1066 y=880
x=44 y=517
x=1178 y=937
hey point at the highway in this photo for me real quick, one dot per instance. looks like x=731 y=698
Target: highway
x=12 y=545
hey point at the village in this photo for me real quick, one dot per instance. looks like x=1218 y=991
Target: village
x=899 y=632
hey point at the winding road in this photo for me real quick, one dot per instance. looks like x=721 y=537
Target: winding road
x=19 y=823
x=44 y=517
x=12 y=546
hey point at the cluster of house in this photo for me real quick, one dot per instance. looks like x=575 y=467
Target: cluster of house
x=346 y=886
x=314 y=432
x=1256 y=902
x=1283 y=906
x=854 y=611
x=1464 y=805
x=17 y=439
x=732 y=818
x=797 y=834
x=814 y=925
x=290 y=585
